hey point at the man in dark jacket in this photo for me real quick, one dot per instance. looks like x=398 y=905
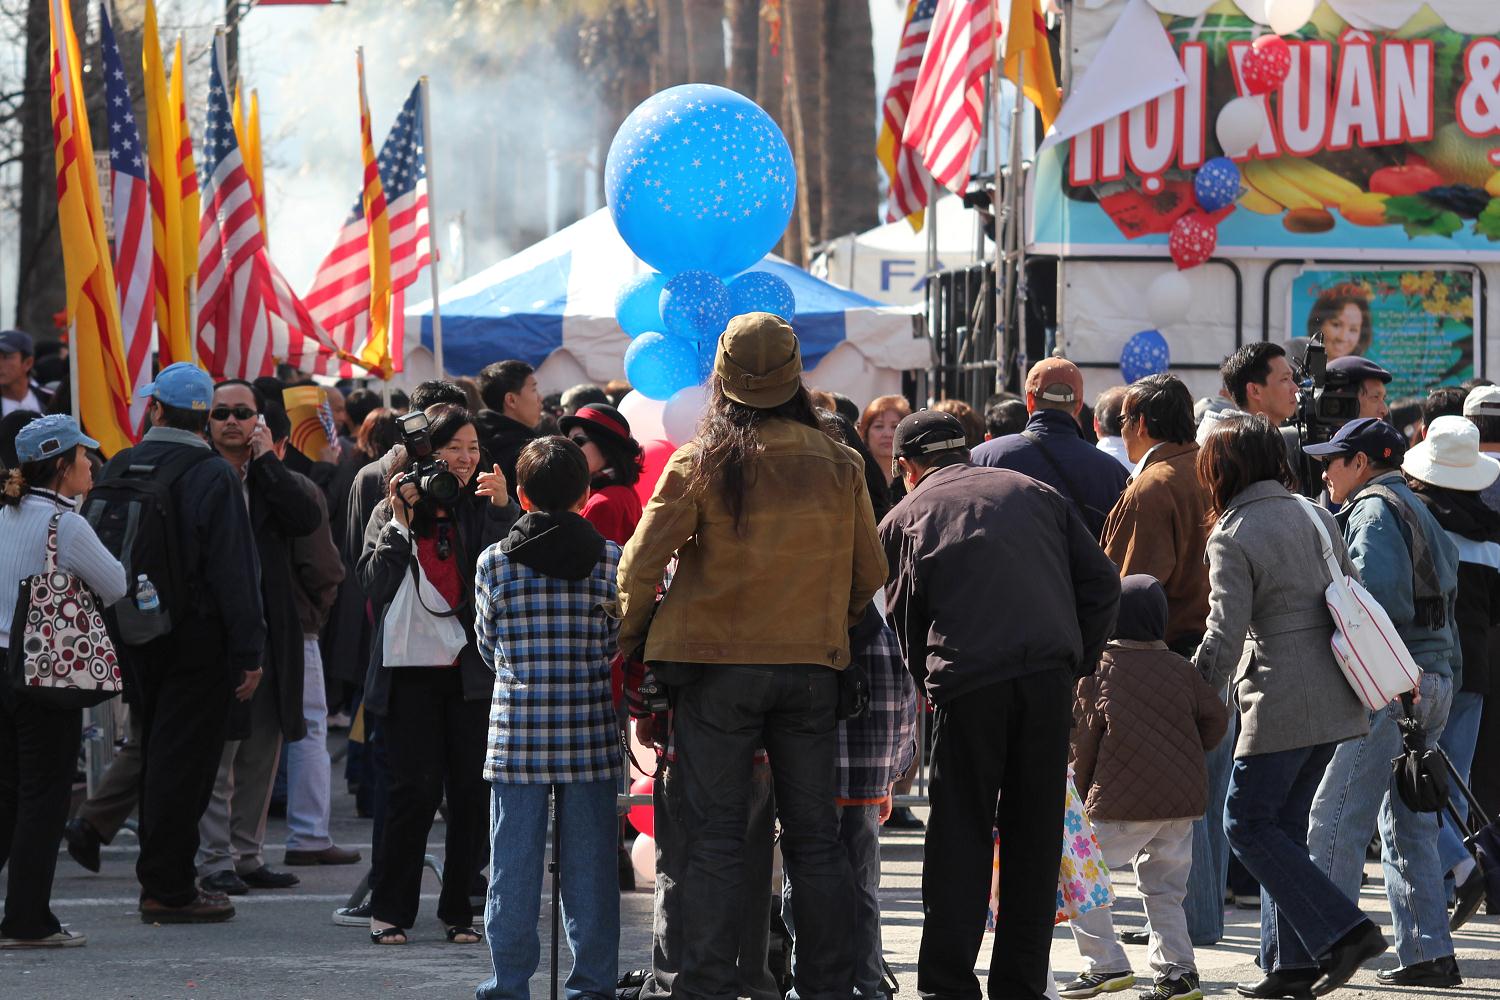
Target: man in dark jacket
x=1000 y=597
x=233 y=828
x=1052 y=448
x=513 y=408
x=184 y=683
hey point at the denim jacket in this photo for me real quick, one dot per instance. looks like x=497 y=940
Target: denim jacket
x=1380 y=546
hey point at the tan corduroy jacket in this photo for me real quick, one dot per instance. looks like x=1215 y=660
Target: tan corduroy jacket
x=785 y=587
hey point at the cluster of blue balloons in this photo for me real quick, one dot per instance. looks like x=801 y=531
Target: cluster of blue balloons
x=700 y=183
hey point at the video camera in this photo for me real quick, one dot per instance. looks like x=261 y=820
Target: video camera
x=1326 y=400
x=429 y=475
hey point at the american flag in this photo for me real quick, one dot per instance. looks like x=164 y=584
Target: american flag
x=249 y=320
x=340 y=295
x=130 y=197
x=947 y=103
x=908 y=187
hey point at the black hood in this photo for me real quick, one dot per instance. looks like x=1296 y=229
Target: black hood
x=564 y=546
x=496 y=430
x=1459 y=511
x=1143 y=609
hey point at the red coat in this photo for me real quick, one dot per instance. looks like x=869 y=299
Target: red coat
x=614 y=511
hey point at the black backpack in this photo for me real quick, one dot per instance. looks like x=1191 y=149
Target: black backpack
x=133 y=511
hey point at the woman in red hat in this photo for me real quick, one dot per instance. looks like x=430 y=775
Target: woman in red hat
x=613 y=507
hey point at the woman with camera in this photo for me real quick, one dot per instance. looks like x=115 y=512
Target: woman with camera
x=421 y=547
x=39 y=742
x=613 y=506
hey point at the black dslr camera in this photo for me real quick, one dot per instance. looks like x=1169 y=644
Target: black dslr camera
x=429 y=475
x=1327 y=400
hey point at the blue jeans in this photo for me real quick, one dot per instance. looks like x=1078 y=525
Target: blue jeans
x=859 y=832
x=1204 y=903
x=588 y=828
x=1356 y=797
x=1460 y=736
x=1301 y=913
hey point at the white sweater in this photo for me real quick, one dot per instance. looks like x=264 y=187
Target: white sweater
x=23 y=553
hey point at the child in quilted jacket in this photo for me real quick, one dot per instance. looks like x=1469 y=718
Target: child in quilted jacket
x=1142 y=724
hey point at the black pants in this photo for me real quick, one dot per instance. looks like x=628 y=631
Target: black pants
x=999 y=760
x=432 y=737
x=185 y=711
x=38 y=759
x=720 y=721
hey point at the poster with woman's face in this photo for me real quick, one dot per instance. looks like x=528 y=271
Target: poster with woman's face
x=1417 y=325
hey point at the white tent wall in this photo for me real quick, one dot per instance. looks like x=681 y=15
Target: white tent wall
x=889 y=263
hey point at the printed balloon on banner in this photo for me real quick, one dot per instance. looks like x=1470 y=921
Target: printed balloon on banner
x=1192 y=241
x=1266 y=65
x=1217 y=184
x=657 y=365
x=695 y=306
x=1240 y=124
x=638 y=303
x=1146 y=353
x=1288 y=16
x=757 y=291
x=700 y=177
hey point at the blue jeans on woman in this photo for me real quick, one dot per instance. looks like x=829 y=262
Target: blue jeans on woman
x=588 y=829
x=1357 y=798
x=1204 y=903
x=1460 y=736
x=1302 y=913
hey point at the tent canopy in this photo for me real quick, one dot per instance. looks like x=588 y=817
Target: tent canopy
x=559 y=296
x=889 y=262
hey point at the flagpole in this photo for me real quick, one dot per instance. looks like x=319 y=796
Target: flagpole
x=432 y=234
x=1017 y=205
x=1065 y=17
x=75 y=398
x=999 y=321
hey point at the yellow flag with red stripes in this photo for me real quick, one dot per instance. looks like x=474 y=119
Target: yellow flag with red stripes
x=376 y=353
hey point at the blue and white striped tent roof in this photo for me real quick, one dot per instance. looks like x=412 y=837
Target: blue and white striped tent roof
x=558 y=297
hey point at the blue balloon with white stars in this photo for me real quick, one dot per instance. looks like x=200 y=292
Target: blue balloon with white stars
x=699 y=177
x=657 y=365
x=638 y=303
x=694 y=306
x=1146 y=353
x=757 y=291
x=1217 y=184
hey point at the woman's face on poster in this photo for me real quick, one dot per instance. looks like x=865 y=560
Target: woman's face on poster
x=1341 y=331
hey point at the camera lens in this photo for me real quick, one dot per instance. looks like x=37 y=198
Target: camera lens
x=441 y=485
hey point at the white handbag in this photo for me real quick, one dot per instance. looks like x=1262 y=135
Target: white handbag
x=420 y=627
x=1375 y=661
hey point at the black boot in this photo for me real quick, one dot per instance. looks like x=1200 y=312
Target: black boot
x=1349 y=953
x=1292 y=984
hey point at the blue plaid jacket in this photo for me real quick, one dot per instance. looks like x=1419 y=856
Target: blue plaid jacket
x=877 y=747
x=552 y=717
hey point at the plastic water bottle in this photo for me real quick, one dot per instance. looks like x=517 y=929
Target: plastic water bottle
x=145 y=594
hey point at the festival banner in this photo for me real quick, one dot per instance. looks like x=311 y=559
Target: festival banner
x=1378 y=145
x=1417 y=325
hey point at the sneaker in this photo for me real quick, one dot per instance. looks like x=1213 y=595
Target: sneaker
x=1183 y=987
x=1091 y=984
x=62 y=939
x=353 y=916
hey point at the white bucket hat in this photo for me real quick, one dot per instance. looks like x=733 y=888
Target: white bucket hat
x=1449 y=457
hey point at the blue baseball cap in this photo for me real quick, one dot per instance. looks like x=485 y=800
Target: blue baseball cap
x=17 y=342
x=1370 y=435
x=183 y=385
x=51 y=435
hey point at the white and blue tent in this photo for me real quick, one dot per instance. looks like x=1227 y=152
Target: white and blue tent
x=552 y=305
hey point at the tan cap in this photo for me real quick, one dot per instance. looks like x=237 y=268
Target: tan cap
x=1055 y=380
x=759 y=361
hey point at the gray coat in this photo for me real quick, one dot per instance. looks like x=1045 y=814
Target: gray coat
x=1266 y=579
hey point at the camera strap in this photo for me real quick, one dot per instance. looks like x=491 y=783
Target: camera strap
x=416 y=574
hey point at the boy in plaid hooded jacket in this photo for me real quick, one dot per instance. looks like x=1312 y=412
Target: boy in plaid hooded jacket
x=540 y=624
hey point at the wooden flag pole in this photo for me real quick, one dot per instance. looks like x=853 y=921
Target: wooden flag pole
x=432 y=234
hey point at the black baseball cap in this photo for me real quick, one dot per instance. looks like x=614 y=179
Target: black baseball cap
x=17 y=342
x=1370 y=435
x=927 y=432
x=1358 y=369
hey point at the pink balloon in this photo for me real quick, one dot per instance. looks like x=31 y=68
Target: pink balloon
x=643 y=818
x=655 y=455
x=1266 y=64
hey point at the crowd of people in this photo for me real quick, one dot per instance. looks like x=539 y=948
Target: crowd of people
x=1129 y=597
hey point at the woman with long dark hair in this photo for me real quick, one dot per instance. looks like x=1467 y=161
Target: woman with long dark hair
x=39 y=742
x=613 y=506
x=1266 y=578
x=777 y=558
x=434 y=717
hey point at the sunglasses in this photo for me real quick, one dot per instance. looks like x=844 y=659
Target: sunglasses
x=579 y=439
x=223 y=413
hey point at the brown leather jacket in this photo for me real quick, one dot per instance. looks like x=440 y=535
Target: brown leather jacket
x=1141 y=725
x=785 y=588
x=1160 y=528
